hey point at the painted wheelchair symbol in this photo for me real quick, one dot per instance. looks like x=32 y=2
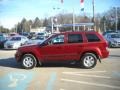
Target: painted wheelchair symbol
x=15 y=79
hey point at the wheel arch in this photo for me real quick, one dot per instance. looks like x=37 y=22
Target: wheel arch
x=86 y=64
x=30 y=53
x=93 y=52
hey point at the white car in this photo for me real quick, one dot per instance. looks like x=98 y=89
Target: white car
x=15 y=42
x=37 y=40
x=113 y=39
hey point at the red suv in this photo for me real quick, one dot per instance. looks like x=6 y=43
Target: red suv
x=83 y=47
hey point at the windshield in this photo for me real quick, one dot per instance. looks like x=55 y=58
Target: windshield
x=115 y=36
x=15 y=39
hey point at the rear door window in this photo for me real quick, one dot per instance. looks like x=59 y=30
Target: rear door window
x=75 y=38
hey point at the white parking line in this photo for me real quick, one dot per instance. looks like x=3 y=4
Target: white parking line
x=62 y=89
x=93 y=84
x=87 y=72
x=83 y=75
x=37 y=85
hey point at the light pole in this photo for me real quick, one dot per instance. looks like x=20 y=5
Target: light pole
x=73 y=20
x=93 y=14
x=116 y=18
x=54 y=19
x=104 y=26
x=52 y=24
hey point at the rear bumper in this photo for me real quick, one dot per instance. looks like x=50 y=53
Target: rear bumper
x=105 y=54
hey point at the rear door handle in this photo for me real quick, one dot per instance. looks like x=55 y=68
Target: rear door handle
x=80 y=45
x=59 y=47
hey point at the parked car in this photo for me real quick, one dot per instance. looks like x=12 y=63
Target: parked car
x=37 y=40
x=113 y=39
x=13 y=34
x=45 y=34
x=15 y=42
x=1 y=34
x=26 y=34
x=108 y=31
x=2 y=41
x=32 y=35
x=84 y=48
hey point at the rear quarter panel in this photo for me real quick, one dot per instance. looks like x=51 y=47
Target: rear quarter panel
x=98 y=47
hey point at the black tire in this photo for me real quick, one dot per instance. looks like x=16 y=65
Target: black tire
x=88 y=61
x=29 y=61
x=39 y=63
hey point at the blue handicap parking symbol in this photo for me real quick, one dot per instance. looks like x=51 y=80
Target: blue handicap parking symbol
x=16 y=81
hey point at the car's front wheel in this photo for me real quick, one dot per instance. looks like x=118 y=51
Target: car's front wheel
x=28 y=61
x=88 y=60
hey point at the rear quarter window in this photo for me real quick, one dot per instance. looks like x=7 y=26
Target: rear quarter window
x=92 y=38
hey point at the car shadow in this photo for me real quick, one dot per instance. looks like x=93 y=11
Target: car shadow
x=118 y=56
x=7 y=49
x=10 y=62
x=61 y=65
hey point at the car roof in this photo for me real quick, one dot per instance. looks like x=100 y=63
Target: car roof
x=112 y=33
x=18 y=36
x=76 y=32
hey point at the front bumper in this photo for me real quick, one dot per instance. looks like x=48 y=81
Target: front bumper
x=115 y=44
x=18 y=56
x=10 y=47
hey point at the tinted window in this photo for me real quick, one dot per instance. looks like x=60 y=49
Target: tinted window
x=75 y=38
x=92 y=38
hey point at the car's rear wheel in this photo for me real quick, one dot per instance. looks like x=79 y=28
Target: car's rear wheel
x=88 y=60
x=28 y=61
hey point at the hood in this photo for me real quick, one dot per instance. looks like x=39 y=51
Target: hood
x=35 y=41
x=29 y=47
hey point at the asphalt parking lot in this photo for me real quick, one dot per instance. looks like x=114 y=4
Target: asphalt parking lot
x=105 y=76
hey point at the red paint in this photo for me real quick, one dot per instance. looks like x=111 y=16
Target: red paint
x=65 y=51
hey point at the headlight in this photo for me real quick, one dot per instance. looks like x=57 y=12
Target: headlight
x=115 y=41
x=15 y=44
